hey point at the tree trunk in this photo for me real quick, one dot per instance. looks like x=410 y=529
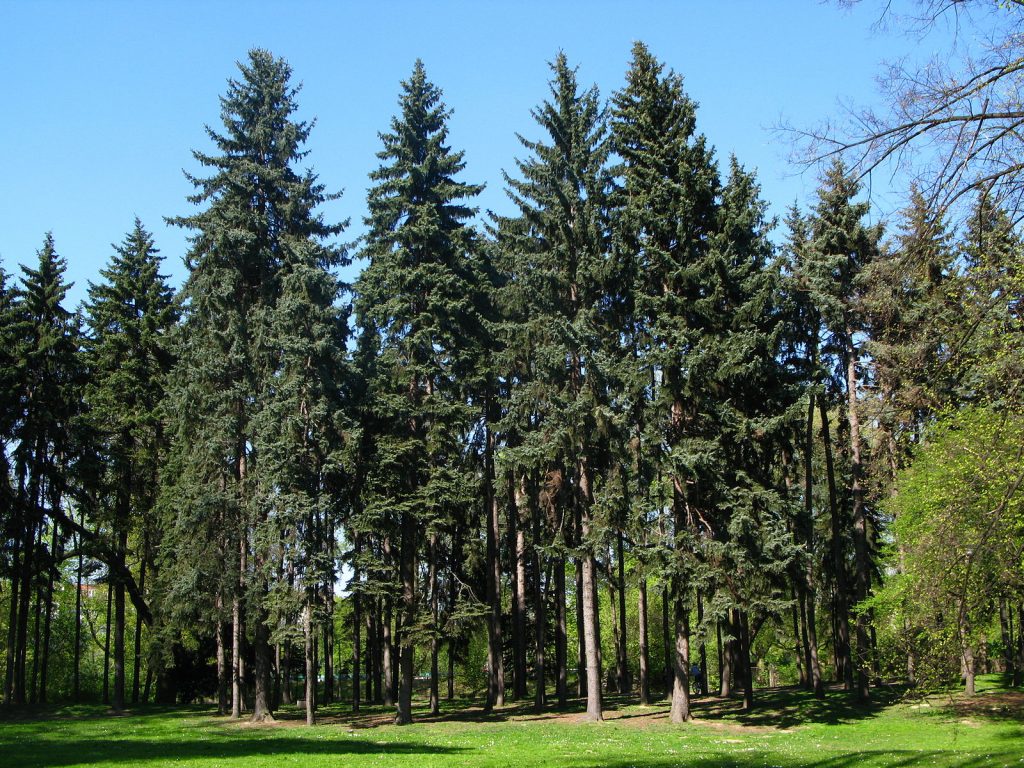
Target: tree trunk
x=724 y=666
x=841 y=616
x=622 y=661
x=119 y=619
x=581 y=648
x=798 y=645
x=495 y=663
x=106 y=643
x=328 y=640
x=388 y=656
x=236 y=656
x=561 y=632
x=590 y=636
x=809 y=594
x=310 y=663
x=407 y=573
x=76 y=672
x=516 y=525
x=591 y=618
x=37 y=613
x=12 y=623
x=645 y=683
x=356 y=622
x=55 y=552
x=137 y=662
x=702 y=649
x=745 y=666
x=261 y=711
x=860 y=524
x=680 y=711
x=1018 y=677
x=435 y=625
x=222 y=672
x=614 y=679
x=539 y=611
x=668 y=647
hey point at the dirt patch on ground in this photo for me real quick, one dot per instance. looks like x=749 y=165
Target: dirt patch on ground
x=1005 y=705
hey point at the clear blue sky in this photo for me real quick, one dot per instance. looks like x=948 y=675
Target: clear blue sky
x=104 y=101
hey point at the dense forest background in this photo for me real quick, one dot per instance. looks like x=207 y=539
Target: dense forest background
x=637 y=437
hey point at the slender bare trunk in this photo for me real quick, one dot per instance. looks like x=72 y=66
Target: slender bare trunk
x=356 y=623
x=307 y=636
x=591 y=619
x=222 y=672
x=495 y=664
x=841 y=617
x=407 y=574
x=622 y=670
x=561 y=633
x=435 y=698
x=645 y=683
x=860 y=524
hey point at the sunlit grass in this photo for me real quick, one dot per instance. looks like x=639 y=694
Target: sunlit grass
x=789 y=728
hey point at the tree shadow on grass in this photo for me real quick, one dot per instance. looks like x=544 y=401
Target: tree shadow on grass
x=777 y=708
x=54 y=753
x=866 y=758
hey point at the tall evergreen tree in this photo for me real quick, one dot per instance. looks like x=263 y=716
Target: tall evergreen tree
x=843 y=247
x=129 y=315
x=560 y=247
x=416 y=299
x=664 y=224
x=258 y=223
x=49 y=379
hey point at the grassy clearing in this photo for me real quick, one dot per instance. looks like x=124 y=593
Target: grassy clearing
x=789 y=729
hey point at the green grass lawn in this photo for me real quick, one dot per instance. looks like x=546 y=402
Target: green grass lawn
x=790 y=728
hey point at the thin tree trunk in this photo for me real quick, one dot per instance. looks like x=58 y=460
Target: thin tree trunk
x=668 y=647
x=388 y=656
x=119 y=619
x=613 y=603
x=744 y=650
x=307 y=635
x=622 y=662
x=581 y=652
x=561 y=632
x=407 y=574
x=702 y=649
x=860 y=524
x=328 y=640
x=55 y=551
x=38 y=610
x=645 y=683
x=435 y=625
x=76 y=684
x=236 y=654
x=540 y=684
x=495 y=664
x=12 y=623
x=137 y=662
x=809 y=593
x=519 y=594
x=24 y=597
x=106 y=644
x=841 y=614
x=798 y=645
x=591 y=618
x=724 y=671
x=222 y=672
x=1018 y=677
x=356 y=622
